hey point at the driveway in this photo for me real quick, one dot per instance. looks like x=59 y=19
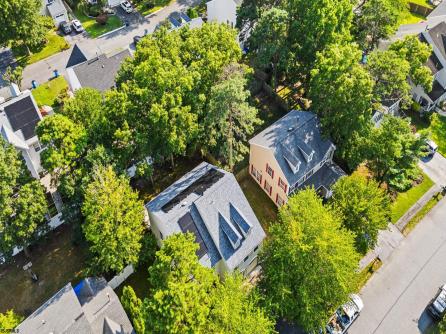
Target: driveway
x=435 y=168
x=396 y=296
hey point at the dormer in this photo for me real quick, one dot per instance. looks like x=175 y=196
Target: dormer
x=239 y=220
x=234 y=237
x=292 y=160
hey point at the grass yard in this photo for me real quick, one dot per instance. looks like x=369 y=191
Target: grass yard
x=411 y=18
x=47 y=93
x=55 y=44
x=139 y=281
x=423 y=212
x=144 y=10
x=405 y=200
x=263 y=206
x=437 y=130
x=95 y=29
x=367 y=272
x=56 y=261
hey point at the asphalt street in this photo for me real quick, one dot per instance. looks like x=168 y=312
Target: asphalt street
x=395 y=298
x=42 y=71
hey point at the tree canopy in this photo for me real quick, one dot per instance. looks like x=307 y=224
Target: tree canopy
x=113 y=221
x=341 y=94
x=365 y=208
x=9 y=320
x=309 y=262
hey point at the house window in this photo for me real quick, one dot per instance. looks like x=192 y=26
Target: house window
x=270 y=171
x=246 y=259
x=268 y=188
x=257 y=174
x=279 y=200
x=282 y=185
x=255 y=249
x=37 y=147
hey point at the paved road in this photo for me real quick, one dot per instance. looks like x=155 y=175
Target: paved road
x=396 y=296
x=42 y=71
x=435 y=167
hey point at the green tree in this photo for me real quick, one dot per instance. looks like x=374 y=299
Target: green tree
x=416 y=53
x=309 y=262
x=268 y=43
x=9 y=320
x=65 y=141
x=376 y=20
x=341 y=94
x=442 y=326
x=22 y=22
x=394 y=151
x=133 y=307
x=315 y=25
x=14 y=75
x=182 y=289
x=236 y=310
x=390 y=73
x=231 y=120
x=365 y=208
x=113 y=221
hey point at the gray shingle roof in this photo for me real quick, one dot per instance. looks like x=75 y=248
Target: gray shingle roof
x=85 y=312
x=438 y=35
x=219 y=199
x=296 y=142
x=100 y=72
x=76 y=57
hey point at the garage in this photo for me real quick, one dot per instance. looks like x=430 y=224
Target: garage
x=58 y=12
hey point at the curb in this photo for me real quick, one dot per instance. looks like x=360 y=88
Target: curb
x=111 y=32
x=155 y=12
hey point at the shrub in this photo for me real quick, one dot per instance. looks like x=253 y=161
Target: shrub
x=192 y=12
x=94 y=10
x=102 y=19
x=416 y=107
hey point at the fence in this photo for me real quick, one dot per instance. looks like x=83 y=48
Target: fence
x=121 y=277
x=419 y=9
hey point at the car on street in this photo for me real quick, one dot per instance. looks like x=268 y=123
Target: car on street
x=65 y=27
x=77 y=26
x=437 y=306
x=127 y=7
x=431 y=147
x=344 y=316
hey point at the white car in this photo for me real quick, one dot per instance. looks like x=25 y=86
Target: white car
x=77 y=26
x=345 y=315
x=127 y=6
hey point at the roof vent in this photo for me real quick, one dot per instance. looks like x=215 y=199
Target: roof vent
x=184 y=203
x=290 y=129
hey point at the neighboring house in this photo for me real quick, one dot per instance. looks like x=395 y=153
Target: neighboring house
x=222 y=11
x=99 y=72
x=92 y=307
x=56 y=10
x=19 y=116
x=436 y=37
x=209 y=203
x=110 y=3
x=389 y=107
x=178 y=20
x=291 y=154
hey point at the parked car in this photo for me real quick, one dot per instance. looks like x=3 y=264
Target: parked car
x=77 y=26
x=126 y=6
x=345 y=316
x=437 y=306
x=65 y=27
x=431 y=147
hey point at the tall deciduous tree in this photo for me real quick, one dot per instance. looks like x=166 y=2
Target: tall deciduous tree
x=377 y=19
x=365 y=208
x=21 y=21
x=113 y=221
x=230 y=119
x=65 y=141
x=416 y=53
x=134 y=308
x=341 y=94
x=268 y=42
x=309 y=262
x=394 y=151
x=315 y=25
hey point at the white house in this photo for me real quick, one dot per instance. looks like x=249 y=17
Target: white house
x=222 y=11
x=56 y=9
x=19 y=116
x=110 y=3
x=436 y=37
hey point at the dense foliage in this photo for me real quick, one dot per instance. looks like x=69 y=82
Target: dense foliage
x=309 y=262
x=9 y=320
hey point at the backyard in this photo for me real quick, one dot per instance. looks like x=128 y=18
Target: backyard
x=411 y=18
x=46 y=93
x=95 y=29
x=55 y=44
x=55 y=260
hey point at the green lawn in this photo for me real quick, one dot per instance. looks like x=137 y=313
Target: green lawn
x=263 y=206
x=438 y=132
x=367 y=273
x=47 y=93
x=55 y=44
x=56 y=261
x=420 y=215
x=405 y=200
x=95 y=29
x=144 y=10
x=410 y=18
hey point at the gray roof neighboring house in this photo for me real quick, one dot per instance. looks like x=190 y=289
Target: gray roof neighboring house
x=438 y=35
x=76 y=57
x=209 y=202
x=56 y=8
x=99 y=72
x=297 y=143
x=92 y=307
